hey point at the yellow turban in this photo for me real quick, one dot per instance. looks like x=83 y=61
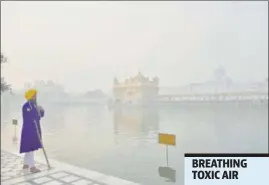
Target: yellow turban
x=30 y=94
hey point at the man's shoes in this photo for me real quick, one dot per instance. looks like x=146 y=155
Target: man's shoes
x=34 y=170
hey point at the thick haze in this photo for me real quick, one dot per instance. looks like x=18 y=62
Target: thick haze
x=83 y=45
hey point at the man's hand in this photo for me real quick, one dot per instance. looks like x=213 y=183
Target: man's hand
x=40 y=108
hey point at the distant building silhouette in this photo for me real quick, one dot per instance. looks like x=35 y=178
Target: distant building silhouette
x=47 y=90
x=96 y=94
x=221 y=77
x=219 y=83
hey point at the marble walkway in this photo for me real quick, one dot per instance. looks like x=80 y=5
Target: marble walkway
x=61 y=173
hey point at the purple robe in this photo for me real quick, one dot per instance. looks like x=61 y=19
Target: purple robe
x=29 y=138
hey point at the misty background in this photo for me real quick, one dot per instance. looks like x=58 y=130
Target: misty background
x=84 y=45
x=71 y=52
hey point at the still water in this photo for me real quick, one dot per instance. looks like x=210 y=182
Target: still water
x=124 y=143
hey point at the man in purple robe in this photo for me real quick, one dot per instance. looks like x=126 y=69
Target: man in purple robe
x=31 y=130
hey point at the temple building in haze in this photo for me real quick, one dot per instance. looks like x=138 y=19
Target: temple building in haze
x=136 y=90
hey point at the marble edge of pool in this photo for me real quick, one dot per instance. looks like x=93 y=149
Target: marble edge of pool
x=57 y=166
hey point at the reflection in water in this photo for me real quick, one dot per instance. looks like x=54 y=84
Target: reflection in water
x=140 y=123
x=124 y=142
x=168 y=173
x=135 y=122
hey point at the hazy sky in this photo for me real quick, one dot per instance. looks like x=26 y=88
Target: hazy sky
x=83 y=45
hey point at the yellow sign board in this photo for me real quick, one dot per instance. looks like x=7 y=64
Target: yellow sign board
x=167 y=139
x=15 y=122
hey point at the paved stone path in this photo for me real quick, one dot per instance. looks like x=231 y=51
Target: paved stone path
x=12 y=174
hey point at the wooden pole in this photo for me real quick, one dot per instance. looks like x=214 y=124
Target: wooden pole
x=40 y=140
x=42 y=146
x=167 y=155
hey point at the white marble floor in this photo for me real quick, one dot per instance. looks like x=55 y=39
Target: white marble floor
x=60 y=173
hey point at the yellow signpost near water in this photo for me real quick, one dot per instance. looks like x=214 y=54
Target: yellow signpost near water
x=15 y=122
x=167 y=172
x=167 y=139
